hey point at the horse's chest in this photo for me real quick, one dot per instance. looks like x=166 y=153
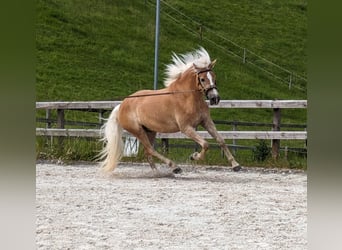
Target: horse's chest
x=192 y=117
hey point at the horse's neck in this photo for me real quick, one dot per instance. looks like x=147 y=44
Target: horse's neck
x=184 y=83
x=188 y=87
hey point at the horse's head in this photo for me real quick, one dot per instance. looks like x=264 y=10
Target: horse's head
x=207 y=82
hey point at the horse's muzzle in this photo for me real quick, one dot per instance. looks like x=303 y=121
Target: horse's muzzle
x=213 y=96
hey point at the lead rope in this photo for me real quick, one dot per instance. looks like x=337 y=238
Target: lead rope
x=166 y=93
x=203 y=90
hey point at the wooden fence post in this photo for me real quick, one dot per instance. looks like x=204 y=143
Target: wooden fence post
x=60 y=124
x=286 y=152
x=165 y=145
x=276 y=127
x=101 y=112
x=60 y=118
x=48 y=123
x=48 y=117
x=234 y=140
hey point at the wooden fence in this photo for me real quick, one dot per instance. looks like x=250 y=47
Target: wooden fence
x=103 y=106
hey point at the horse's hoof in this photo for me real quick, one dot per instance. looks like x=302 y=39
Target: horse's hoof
x=237 y=168
x=194 y=156
x=177 y=170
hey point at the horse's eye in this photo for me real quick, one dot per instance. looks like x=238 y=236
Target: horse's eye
x=202 y=80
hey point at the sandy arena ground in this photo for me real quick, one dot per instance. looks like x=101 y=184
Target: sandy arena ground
x=202 y=208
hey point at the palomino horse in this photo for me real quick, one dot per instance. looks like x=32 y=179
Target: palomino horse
x=178 y=107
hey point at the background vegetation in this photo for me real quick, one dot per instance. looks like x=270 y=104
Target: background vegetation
x=104 y=50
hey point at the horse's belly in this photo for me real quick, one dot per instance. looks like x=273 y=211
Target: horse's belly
x=159 y=122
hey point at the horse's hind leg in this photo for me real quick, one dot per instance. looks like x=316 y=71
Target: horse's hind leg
x=151 y=137
x=149 y=150
x=145 y=140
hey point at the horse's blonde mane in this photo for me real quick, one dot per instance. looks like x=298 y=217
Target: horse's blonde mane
x=200 y=58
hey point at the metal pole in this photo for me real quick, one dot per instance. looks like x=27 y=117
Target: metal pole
x=156 y=47
x=276 y=127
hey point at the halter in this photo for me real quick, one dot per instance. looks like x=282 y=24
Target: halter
x=203 y=89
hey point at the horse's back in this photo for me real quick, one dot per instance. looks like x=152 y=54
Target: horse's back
x=147 y=98
x=150 y=108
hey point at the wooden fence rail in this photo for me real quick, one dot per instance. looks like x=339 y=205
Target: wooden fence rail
x=98 y=105
x=96 y=133
x=102 y=106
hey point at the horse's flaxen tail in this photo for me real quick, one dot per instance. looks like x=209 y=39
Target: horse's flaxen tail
x=112 y=137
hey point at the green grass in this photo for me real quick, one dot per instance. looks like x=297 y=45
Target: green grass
x=101 y=50
x=104 y=50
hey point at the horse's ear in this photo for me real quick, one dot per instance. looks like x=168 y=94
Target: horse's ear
x=212 y=64
x=196 y=68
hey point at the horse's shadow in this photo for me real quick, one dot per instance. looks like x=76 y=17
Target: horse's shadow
x=141 y=174
x=188 y=175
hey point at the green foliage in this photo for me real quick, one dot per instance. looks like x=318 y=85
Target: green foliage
x=262 y=151
x=68 y=149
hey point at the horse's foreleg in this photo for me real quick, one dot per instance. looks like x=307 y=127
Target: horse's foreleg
x=191 y=132
x=210 y=127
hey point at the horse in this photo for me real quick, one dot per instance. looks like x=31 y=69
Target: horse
x=180 y=106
